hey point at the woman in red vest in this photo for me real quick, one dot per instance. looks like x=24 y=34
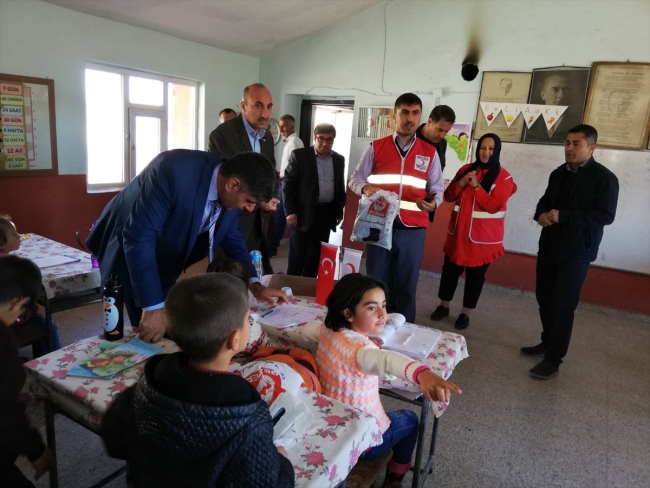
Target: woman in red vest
x=480 y=192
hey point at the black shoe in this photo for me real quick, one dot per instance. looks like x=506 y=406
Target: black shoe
x=537 y=351
x=439 y=313
x=462 y=322
x=544 y=370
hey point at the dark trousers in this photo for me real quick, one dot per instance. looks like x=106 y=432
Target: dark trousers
x=304 y=245
x=401 y=437
x=398 y=269
x=12 y=477
x=474 y=280
x=558 y=293
x=280 y=224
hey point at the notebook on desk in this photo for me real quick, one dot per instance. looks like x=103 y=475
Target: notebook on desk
x=407 y=339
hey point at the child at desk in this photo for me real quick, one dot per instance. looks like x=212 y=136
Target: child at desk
x=20 y=281
x=188 y=422
x=9 y=242
x=350 y=366
x=257 y=337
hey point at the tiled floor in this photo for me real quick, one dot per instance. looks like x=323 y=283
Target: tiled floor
x=588 y=427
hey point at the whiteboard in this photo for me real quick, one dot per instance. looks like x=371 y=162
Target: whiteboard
x=626 y=243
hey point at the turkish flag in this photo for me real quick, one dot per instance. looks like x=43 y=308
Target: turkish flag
x=325 y=281
x=351 y=261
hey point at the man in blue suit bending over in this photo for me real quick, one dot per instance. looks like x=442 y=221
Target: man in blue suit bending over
x=183 y=205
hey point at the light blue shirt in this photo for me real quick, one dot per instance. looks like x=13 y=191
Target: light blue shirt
x=212 y=197
x=325 y=167
x=253 y=137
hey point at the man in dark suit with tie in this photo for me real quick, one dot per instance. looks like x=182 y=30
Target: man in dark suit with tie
x=247 y=132
x=314 y=198
x=167 y=218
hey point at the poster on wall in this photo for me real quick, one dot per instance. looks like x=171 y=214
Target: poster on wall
x=560 y=86
x=27 y=126
x=459 y=146
x=502 y=87
x=619 y=104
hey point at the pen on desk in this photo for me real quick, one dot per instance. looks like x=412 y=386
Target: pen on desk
x=268 y=313
x=71 y=257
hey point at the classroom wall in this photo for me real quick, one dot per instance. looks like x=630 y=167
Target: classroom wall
x=42 y=40
x=419 y=46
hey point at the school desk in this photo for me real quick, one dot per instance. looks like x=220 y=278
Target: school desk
x=323 y=457
x=446 y=354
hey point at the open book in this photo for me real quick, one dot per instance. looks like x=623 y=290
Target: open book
x=407 y=339
x=112 y=360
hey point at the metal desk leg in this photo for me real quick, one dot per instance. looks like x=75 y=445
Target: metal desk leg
x=432 y=450
x=48 y=325
x=422 y=429
x=51 y=441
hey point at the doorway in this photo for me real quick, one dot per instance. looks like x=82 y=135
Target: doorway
x=339 y=113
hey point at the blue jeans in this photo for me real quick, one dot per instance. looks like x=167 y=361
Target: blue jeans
x=280 y=224
x=401 y=437
x=42 y=347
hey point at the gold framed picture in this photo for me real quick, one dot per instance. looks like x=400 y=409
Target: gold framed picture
x=502 y=87
x=618 y=104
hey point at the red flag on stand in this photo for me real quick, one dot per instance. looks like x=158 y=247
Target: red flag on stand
x=325 y=281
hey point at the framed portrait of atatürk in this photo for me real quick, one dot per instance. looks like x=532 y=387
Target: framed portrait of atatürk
x=559 y=86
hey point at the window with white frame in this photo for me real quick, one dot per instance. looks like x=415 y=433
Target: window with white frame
x=132 y=116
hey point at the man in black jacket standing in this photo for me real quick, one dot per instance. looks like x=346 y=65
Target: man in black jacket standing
x=248 y=132
x=441 y=119
x=579 y=201
x=314 y=198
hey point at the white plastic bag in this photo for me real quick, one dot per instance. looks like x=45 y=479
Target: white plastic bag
x=374 y=222
x=269 y=378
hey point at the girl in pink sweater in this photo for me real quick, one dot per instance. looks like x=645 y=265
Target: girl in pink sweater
x=351 y=364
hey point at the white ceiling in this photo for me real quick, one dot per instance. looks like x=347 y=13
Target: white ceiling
x=253 y=27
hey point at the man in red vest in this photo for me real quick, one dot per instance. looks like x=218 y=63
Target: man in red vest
x=409 y=167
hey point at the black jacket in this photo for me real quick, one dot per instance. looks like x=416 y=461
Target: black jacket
x=300 y=186
x=169 y=441
x=441 y=146
x=17 y=436
x=592 y=205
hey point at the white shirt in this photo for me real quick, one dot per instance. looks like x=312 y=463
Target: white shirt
x=290 y=144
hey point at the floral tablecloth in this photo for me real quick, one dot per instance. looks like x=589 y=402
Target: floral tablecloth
x=321 y=457
x=446 y=354
x=64 y=279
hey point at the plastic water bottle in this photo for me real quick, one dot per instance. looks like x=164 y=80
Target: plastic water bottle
x=113 y=309
x=256 y=257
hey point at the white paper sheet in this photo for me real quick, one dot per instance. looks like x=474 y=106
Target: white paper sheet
x=286 y=315
x=58 y=260
x=413 y=341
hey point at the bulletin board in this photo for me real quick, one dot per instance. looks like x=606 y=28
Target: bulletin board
x=27 y=126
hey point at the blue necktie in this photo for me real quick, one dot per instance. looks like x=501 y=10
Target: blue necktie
x=210 y=223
